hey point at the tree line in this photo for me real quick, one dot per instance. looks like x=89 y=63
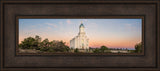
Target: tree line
x=59 y=46
x=45 y=45
x=138 y=48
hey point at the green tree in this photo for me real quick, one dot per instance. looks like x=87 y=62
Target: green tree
x=38 y=38
x=76 y=50
x=103 y=48
x=59 y=46
x=67 y=48
x=28 y=43
x=138 y=47
x=97 y=50
x=45 y=43
x=44 y=48
x=37 y=42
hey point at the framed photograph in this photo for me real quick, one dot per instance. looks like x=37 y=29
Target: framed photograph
x=123 y=39
x=80 y=35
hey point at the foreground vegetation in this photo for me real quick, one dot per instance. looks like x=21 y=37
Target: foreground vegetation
x=46 y=46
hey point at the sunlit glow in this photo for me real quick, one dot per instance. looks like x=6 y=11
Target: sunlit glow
x=113 y=33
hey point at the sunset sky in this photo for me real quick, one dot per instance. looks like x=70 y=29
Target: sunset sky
x=113 y=33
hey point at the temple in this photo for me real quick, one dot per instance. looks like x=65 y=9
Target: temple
x=80 y=41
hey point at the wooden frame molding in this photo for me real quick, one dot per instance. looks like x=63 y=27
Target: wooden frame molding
x=11 y=11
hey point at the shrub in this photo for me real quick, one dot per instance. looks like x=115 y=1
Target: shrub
x=76 y=50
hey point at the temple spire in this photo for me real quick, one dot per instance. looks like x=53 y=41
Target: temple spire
x=81 y=25
x=81 y=28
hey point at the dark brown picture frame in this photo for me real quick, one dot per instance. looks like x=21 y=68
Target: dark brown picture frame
x=149 y=60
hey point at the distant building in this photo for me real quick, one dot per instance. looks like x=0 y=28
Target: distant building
x=80 y=41
x=118 y=50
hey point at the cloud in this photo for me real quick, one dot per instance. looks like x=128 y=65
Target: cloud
x=85 y=20
x=92 y=25
x=131 y=27
x=128 y=25
x=60 y=22
x=51 y=24
x=33 y=26
x=49 y=27
x=69 y=22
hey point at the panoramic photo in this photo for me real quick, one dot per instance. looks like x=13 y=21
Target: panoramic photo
x=80 y=36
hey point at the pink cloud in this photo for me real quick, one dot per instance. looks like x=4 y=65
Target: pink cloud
x=49 y=27
x=51 y=24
